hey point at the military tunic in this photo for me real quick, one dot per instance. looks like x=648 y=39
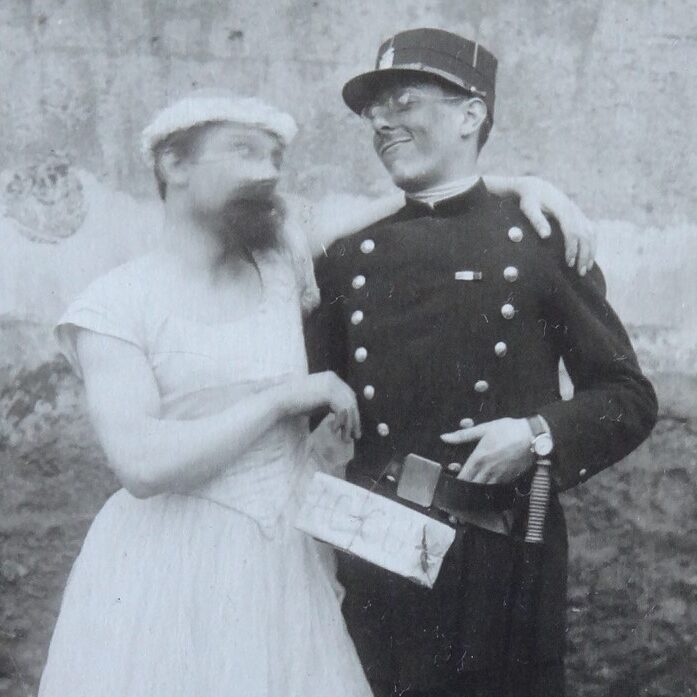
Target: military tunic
x=437 y=314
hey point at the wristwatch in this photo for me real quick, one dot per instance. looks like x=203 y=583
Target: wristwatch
x=542 y=444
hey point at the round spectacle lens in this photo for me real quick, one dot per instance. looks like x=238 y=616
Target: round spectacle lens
x=391 y=104
x=404 y=102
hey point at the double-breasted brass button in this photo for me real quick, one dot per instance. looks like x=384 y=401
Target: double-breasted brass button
x=500 y=349
x=358 y=282
x=369 y=392
x=383 y=430
x=360 y=354
x=515 y=234
x=481 y=386
x=367 y=246
x=453 y=520
x=583 y=472
x=466 y=423
x=454 y=467
x=357 y=317
x=510 y=273
x=508 y=311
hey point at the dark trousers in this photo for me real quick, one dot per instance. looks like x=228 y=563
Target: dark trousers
x=547 y=681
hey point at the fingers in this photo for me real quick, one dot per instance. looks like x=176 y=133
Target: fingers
x=473 y=470
x=342 y=401
x=480 y=467
x=581 y=241
x=340 y=426
x=355 y=422
x=592 y=234
x=580 y=237
x=584 y=256
x=532 y=210
x=353 y=419
x=352 y=428
x=464 y=435
x=571 y=246
x=349 y=422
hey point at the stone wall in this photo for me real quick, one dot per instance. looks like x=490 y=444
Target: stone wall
x=596 y=95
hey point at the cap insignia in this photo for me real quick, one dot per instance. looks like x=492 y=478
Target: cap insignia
x=386 y=59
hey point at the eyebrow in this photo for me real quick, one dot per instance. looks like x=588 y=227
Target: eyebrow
x=257 y=142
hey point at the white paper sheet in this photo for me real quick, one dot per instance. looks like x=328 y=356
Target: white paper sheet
x=374 y=528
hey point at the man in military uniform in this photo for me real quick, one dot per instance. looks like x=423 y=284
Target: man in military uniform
x=449 y=319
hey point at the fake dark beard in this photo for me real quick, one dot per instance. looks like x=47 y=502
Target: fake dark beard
x=252 y=225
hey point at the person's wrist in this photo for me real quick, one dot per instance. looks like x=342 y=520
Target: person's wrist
x=283 y=402
x=527 y=437
x=502 y=185
x=542 y=443
x=518 y=185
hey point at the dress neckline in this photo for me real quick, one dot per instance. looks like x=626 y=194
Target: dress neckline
x=275 y=291
x=261 y=310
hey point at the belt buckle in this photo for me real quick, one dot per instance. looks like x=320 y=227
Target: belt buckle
x=418 y=480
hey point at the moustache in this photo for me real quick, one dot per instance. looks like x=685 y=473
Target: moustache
x=254 y=218
x=264 y=190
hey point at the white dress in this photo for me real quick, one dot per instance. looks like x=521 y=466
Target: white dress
x=211 y=594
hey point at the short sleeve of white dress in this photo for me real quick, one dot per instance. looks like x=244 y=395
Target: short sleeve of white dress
x=298 y=248
x=110 y=305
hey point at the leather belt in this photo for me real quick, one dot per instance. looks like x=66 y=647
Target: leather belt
x=454 y=495
x=489 y=506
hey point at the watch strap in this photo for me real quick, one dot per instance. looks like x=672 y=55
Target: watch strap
x=538 y=425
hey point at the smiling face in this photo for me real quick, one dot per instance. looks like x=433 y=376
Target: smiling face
x=420 y=133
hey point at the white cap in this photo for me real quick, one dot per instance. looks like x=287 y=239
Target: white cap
x=209 y=106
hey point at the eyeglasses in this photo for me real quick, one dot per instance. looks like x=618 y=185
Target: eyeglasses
x=393 y=104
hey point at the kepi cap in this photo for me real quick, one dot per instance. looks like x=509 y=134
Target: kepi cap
x=432 y=53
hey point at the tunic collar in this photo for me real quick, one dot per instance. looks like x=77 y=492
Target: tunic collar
x=456 y=203
x=431 y=197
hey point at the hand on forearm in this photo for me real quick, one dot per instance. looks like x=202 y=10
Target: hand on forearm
x=502 y=453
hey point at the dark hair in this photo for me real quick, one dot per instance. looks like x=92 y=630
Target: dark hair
x=183 y=144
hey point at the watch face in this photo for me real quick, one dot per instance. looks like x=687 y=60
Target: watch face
x=543 y=445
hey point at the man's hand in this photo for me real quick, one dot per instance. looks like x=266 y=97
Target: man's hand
x=502 y=453
x=538 y=197
x=580 y=236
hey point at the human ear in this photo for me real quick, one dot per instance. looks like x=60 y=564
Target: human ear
x=473 y=116
x=173 y=168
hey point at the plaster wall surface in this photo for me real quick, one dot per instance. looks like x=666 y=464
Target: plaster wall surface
x=595 y=95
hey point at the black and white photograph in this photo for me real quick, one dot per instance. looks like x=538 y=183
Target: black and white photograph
x=347 y=349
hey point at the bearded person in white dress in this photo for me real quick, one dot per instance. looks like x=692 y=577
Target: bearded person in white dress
x=192 y=579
